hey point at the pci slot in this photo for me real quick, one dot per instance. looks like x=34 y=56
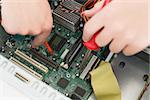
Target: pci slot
x=26 y=68
x=88 y=67
x=22 y=78
x=32 y=61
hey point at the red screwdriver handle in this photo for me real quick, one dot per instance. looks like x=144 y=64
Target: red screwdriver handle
x=91 y=44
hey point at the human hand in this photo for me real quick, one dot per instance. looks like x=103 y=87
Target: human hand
x=27 y=17
x=125 y=25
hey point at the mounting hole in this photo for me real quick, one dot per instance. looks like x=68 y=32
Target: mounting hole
x=68 y=75
x=122 y=64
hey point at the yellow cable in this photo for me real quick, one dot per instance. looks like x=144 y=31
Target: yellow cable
x=104 y=83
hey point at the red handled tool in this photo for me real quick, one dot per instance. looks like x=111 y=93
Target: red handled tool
x=91 y=44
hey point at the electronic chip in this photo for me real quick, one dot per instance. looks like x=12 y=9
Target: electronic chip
x=57 y=42
x=80 y=91
x=74 y=97
x=63 y=83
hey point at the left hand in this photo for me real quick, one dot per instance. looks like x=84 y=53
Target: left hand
x=27 y=17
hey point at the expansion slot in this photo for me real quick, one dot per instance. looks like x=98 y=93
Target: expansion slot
x=96 y=64
x=88 y=67
x=32 y=61
x=22 y=78
x=74 y=51
x=42 y=58
x=26 y=68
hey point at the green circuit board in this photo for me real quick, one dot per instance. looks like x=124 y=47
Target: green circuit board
x=63 y=69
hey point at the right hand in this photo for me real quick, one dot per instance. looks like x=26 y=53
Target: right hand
x=27 y=17
x=125 y=25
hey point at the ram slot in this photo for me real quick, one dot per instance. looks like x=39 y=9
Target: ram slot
x=26 y=68
x=43 y=59
x=88 y=67
x=73 y=52
x=32 y=61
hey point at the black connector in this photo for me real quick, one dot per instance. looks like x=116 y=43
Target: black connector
x=43 y=58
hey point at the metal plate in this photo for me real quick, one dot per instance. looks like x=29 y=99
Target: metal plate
x=130 y=77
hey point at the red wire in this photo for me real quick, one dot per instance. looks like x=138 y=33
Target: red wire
x=88 y=4
x=105 y=3
x=49 y=49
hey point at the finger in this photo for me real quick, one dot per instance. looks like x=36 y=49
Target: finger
x=35 y=31
x=117 y=45
x=133 y=48
x=94 y=10
x=104 y=37
x=40 y=39
x=8 y=28
x=93 y=25
x=47 y=27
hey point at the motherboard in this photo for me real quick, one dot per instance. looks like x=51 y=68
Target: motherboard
x=64 y=70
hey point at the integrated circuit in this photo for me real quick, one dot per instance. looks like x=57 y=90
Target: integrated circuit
x=80 y=91
x=57 y=42
x=75 y=97
x=63 y=83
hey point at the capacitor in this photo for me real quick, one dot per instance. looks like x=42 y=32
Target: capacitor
x=53 y=26
x=55 y=3
x=82 y=55
x=68 y=34
x=54 y=59
x=77 y=64
x=59 y=29
x=3 y=49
